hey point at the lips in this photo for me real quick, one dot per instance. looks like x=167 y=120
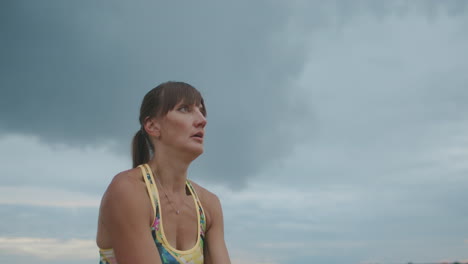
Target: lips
x=198 y=135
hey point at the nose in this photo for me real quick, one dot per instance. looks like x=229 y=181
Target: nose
x=200 y=119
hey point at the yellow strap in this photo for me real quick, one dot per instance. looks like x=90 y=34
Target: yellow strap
x=145 y=172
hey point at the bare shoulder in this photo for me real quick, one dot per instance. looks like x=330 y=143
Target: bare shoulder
x=125 y=192
x=123 y=184
x=215 y=250
x=209 y=201
x=121 y=203
x=205 y=195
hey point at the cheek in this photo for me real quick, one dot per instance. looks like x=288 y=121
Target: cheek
x=178 y=128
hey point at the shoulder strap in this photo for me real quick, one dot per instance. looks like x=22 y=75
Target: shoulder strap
x=201 y=211
x=150 y=186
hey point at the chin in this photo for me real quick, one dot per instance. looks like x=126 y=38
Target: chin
x=195 y=151
x=198 y=152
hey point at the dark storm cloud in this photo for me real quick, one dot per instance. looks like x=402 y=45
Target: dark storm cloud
x=76 y=72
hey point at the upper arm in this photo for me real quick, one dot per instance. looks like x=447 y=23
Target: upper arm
x=215 y=247
x=126 y=219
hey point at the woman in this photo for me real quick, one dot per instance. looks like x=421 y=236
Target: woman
x=152 y=213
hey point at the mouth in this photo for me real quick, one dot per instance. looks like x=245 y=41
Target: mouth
x=198 y=135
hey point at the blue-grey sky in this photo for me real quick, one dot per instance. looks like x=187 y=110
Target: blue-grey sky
x=337 y=130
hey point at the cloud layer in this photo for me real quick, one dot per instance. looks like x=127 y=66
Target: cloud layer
x=337 y=131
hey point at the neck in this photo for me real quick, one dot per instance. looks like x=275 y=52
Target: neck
x=171 y=171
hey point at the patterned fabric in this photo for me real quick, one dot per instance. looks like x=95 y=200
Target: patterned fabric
x=169 y=255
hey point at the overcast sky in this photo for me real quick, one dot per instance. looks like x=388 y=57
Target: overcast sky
x=337 y=130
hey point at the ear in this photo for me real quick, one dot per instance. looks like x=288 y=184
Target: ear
x=152 y=127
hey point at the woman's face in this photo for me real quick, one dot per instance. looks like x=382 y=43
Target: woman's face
x=183 y=128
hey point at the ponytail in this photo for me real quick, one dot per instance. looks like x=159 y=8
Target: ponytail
x=140 y=149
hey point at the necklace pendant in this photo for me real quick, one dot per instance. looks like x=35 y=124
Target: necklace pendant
x=177 y=212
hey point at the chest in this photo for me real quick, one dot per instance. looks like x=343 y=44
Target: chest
x=181 y=230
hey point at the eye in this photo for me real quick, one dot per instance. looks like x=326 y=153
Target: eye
x=183 y=108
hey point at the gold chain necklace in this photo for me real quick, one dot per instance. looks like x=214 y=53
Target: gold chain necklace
x=167 y=196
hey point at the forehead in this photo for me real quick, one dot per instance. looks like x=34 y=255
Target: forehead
x=173 y=97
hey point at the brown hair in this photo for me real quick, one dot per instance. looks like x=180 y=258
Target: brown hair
x=156 y=103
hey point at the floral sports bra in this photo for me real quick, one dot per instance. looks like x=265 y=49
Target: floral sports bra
x=169 y=254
